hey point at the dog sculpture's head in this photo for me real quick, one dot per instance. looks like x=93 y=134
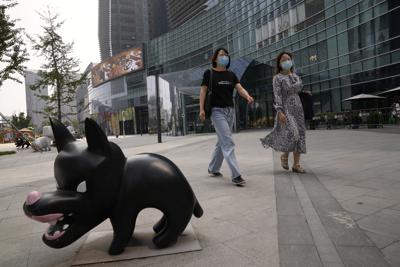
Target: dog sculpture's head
x=88 y=183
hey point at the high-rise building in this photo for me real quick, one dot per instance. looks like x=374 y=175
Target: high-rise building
x=34 y=104
x=181 y=11
x=341 y=48
x=82 y=99
x=122 y=25
x=157 y=18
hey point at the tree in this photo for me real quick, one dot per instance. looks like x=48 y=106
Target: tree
x=21 y=121
x=12 y=48
x=60 y=70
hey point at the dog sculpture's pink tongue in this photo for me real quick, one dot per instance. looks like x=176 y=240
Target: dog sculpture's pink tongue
x=33 y=197
x=48 y=217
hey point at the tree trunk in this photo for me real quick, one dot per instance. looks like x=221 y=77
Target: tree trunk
x=58 y=101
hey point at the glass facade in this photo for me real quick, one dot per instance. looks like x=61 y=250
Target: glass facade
x=341 y=48
x=120 y=105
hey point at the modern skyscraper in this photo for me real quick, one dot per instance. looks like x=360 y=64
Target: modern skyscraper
x=157 y=18
x=181 y=11
x=122 y=25
x=82 y=99
x=34 y=104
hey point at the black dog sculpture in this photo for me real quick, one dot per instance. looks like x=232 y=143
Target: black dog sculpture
x=21 y=142
x=116 y=188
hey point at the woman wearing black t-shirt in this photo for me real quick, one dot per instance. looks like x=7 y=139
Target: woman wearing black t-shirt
x=223 y=113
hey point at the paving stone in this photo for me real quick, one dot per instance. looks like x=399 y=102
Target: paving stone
x=375 y=183
x=339 y=225
x=259 y=246
x=5 y=202
x=288 y=206
x=380 y=240
x=366 y=204
x=362 y=256
x=391 y=194
x=385 y=222
x=349 y=192
x=299 y=256
x=392 y=254
x=294 y=230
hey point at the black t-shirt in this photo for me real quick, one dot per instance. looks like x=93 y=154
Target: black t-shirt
x=224 y=83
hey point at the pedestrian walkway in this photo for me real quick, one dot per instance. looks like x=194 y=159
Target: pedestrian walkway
x=343 y=212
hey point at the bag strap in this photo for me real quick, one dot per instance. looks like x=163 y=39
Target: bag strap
x=210 y=81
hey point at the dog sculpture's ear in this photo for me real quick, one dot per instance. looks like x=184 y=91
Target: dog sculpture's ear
x=62 y=135
x=96 y=139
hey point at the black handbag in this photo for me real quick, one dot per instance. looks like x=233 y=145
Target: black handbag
x=208 y=100
x=308 y=105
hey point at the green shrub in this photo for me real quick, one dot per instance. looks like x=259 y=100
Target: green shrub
x=355 y=119
x=2 y=153
x=374 y=118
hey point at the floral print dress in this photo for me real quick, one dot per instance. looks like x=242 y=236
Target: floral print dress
x=289 y=137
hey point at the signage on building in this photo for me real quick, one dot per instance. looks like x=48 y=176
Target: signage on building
x=126 y=62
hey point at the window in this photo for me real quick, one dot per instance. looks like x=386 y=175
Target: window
x=369 y=64
x=301 y=12
x=259 y=35
x=314 y=11
x=330 y=11
x=322 y=51
x=332 y=47
x=356 y=67
x=343 y=60
x=330 y=22
x=344 y=70
x=343 y=47
x=333 y=63
x=384 y=60
x=285 y=21
x=382 y=28
x=366 y=16
x=395 y=56
x=331 y=31
x=293 y=17
x=341 y=16
x=264 y=32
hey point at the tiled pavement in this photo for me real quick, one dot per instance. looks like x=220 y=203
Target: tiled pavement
x=344 y=212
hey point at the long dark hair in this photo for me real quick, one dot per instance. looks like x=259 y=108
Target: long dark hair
x=278 y=67
x=215 y=56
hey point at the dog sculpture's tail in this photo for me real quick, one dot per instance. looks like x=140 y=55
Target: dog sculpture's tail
x=198 y=210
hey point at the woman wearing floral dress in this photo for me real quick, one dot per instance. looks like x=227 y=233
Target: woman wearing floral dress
x=289 y=130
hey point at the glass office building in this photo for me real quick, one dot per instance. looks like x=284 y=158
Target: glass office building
x=341 y=48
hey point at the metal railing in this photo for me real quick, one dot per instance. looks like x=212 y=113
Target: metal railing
x=370 y=118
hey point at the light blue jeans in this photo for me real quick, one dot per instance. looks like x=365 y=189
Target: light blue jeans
x=223 y=119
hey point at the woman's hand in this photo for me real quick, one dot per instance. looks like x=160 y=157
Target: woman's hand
x=282 y=118
x=250 y=100
x=202 y=115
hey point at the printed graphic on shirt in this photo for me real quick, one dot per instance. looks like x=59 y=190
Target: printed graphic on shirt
x=224 y=83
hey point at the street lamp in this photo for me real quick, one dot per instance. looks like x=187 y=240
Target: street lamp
x=158 y=107
x=123 y=123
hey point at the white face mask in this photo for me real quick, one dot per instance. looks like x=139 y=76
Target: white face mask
x=287 y=64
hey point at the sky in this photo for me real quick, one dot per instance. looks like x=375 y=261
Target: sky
x=80 y=26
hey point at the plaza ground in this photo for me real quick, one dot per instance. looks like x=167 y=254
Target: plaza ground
x=344 y=212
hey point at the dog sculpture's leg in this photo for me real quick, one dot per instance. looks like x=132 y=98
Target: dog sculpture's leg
x=123 y=226
x=160 y=225
x=176 y=224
